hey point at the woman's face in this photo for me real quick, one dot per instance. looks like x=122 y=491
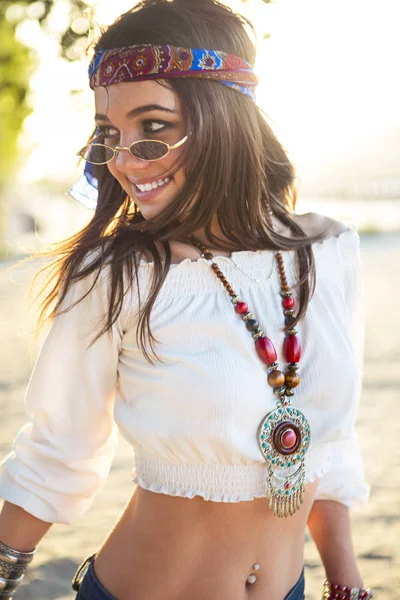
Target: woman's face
x=130 y=111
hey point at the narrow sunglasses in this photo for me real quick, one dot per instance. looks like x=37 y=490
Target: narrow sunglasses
x=148 y=150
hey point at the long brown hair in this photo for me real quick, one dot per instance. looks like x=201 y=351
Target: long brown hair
x=247 y=171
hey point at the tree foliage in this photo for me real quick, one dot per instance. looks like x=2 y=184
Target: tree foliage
x=17 y=62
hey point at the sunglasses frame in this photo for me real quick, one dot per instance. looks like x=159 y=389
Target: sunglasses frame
x=116 y=149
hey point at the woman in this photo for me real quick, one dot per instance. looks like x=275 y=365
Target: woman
x=154 y=332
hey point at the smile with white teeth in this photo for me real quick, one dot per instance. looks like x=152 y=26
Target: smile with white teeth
x=146 y=187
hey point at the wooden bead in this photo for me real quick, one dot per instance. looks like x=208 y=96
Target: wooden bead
x=276 y=378
x=292 y=379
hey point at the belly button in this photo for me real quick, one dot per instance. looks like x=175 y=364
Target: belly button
x=252 y=578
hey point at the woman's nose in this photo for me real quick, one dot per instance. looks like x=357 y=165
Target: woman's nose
x=125 y=161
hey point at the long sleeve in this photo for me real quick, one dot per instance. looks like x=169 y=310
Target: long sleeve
x=345 y=482
x=62 y=457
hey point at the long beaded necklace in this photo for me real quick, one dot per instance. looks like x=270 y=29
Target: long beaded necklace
x=284 y=433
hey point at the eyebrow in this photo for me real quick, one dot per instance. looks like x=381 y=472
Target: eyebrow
x=137 y=111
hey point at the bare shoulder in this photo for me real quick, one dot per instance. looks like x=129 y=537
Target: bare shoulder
x=315 y=224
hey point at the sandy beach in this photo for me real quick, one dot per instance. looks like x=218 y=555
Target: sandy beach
x=376 y=527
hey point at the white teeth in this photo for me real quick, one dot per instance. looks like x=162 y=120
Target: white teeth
x=146 y=187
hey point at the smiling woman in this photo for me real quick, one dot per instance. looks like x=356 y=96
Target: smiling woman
x=195 y=212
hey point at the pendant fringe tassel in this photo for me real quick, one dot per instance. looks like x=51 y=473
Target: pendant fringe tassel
x=285 y=500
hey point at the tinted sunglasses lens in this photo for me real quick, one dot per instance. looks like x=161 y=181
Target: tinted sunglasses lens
x=96 y=153
x=149 y=150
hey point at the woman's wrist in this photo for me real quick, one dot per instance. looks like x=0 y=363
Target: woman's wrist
x=346 y=572
x=19 y=529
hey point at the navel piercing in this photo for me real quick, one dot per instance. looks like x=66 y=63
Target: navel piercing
x=252 y=578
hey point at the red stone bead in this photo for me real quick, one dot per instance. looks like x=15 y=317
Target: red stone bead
x=288 y=302
x=292 y=348
x=288 y=438
x=241 y=308
x=266 y=350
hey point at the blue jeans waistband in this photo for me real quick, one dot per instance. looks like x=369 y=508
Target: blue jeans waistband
x=297 y=591
x=90 y=587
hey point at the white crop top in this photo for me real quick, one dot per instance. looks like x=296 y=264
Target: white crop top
x=193 y=419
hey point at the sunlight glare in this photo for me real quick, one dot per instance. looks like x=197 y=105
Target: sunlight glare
x=326 y=80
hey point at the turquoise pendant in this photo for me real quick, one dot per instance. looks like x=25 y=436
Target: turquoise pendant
x=284 y=438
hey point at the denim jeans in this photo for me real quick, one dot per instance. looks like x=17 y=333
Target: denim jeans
x=297 y=591
x=92 y=589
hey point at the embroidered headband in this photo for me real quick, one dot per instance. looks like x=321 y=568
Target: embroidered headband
x=143 y=62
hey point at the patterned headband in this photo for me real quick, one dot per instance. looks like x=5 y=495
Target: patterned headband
x=143 y=62
x=140 y=63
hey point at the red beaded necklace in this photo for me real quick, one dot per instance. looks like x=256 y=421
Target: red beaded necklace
x=284 y=433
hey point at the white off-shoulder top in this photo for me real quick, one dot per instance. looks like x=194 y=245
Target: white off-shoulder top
x=192 y=420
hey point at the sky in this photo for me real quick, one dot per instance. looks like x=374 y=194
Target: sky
x=328 y=81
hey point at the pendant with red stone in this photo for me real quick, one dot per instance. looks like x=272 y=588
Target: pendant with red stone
x=284 y=438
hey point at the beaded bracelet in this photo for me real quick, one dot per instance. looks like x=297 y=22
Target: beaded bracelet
x=334 y=591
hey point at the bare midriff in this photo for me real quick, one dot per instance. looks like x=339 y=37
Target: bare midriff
x=171 y=548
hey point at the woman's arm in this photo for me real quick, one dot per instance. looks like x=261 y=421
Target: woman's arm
x=343 y=487
x=330 y=528
x=61 y=457
x=19 y=529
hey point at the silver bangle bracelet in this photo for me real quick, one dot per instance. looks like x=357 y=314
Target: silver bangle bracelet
x=15 y=557
x=13 y=565
x=9 y=585
x=11 y=571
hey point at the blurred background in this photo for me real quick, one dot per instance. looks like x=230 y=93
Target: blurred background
x=329 y=84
